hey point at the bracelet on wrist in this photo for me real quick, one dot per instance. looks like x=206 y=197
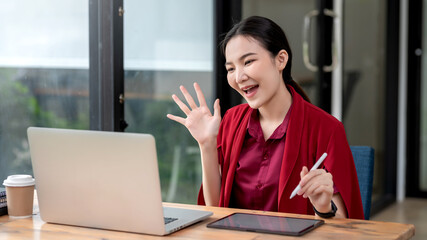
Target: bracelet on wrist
x=328 y=214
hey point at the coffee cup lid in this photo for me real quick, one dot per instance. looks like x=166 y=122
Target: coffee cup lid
x=19 y=180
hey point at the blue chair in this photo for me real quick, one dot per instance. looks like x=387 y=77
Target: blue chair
x=364 y=161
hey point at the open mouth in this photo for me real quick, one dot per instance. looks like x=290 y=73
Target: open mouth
x=250 y=89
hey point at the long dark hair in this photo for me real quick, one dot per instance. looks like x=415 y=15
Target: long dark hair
x=271 y=37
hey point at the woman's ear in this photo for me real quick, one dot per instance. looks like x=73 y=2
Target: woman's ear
x=281 y=59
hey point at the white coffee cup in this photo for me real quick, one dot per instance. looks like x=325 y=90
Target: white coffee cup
x=19 y=195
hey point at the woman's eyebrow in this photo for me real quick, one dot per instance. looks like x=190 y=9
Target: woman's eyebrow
x=242 y=57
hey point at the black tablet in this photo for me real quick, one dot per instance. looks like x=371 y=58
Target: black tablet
x=266 y=224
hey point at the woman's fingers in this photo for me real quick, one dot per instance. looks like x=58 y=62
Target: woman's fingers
x=181 y=105
x=217 y=109
x=188 y=97
x=318 y=186
x=322 y=189
x=306 y=175
x=313 y=179
x=199 y=121
x=303 y=172
x=176 y=119
x=200 y=95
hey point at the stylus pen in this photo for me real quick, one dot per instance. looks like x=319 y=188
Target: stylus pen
x=315 y=166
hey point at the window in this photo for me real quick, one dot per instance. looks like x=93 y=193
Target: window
x=44 y=78
x=168 y=43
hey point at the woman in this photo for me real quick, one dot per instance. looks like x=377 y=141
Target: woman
x=260 y=151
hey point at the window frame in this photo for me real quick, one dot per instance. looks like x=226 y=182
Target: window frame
x=106 y=70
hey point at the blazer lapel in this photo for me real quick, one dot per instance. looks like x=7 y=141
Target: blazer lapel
x=236 y=148
x=293 y=142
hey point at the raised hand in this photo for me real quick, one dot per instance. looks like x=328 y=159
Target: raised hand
x=202 y=125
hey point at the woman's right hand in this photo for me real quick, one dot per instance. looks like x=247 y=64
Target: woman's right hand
x=202 y=125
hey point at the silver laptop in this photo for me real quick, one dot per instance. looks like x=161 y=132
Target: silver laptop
x=104 y=180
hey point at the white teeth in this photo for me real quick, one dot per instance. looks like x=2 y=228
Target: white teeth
x=247 y=89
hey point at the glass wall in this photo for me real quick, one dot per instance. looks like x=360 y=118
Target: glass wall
x=364 y=83
x=423 y=115
x=44 y=78
x=168 y=43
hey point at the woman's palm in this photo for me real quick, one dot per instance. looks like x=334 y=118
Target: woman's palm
x=200 y=122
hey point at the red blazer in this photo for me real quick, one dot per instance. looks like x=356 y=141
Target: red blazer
x=311 y=132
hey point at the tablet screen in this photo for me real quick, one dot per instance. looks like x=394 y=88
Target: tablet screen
x=266 y=224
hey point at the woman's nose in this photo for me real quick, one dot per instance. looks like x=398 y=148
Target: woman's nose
x=241 y=75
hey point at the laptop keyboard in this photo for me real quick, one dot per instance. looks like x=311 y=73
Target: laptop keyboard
x=169 y=220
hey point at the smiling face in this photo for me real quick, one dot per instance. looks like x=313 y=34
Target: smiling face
x=254 y=72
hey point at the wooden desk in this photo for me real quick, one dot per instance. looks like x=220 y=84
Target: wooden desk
x=35 y=228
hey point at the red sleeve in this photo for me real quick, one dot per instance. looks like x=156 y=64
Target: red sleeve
x=200 y=197
x=341 y=165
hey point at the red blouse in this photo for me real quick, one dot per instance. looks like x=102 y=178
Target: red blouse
x=257 y=173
